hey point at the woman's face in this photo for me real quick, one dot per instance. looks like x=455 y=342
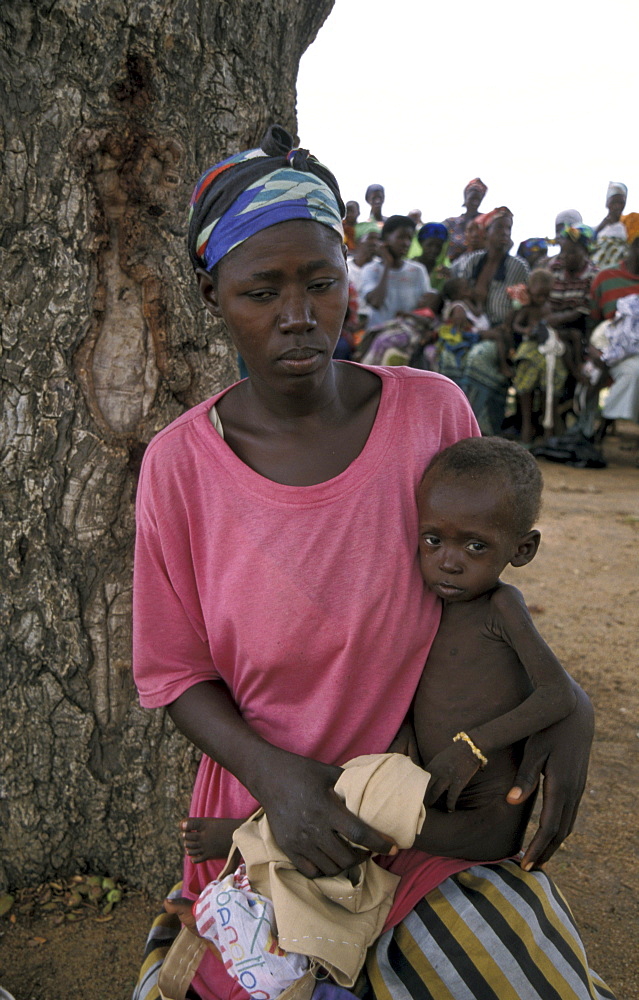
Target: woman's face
x=499 y=234
x=283 y=294
x=475 y=237
x=431 y=249
x=616 y=205
x=473 y=198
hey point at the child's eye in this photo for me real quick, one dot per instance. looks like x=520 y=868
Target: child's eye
x=476 y=547
x=430 y=540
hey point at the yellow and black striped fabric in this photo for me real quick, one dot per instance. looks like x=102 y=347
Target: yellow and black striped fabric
x=492 y=932
x=164 y=930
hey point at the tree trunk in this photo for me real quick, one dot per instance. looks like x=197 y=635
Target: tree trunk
x=110 y=112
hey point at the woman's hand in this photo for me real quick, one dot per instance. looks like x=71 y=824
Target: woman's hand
x=561 y=754
x=310 y=822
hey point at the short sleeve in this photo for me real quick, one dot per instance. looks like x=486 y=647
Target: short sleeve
x=170 y=647
x=371 y=274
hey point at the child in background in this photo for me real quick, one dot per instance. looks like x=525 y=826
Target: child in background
x=539 y=361
x=489 y=681
x=464 y=322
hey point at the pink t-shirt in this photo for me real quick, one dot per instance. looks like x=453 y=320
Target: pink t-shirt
x=306 y=601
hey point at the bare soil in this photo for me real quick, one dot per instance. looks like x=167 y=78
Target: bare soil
x=584 y=590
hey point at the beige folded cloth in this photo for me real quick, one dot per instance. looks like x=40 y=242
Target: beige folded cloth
x=334 y=920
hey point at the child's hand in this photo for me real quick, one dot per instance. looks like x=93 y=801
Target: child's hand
x=406 y=742
x=450 y=771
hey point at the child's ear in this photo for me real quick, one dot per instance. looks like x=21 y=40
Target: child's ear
x=526 y=548
x=208 y=292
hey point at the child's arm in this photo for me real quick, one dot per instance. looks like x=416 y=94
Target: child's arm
x=521 y=323
x=552 y=700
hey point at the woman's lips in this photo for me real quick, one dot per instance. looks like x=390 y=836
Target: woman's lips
x=300 y=360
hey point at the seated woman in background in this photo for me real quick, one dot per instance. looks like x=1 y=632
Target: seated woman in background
x=490 y=273
x=474 y=240
x=534 y=251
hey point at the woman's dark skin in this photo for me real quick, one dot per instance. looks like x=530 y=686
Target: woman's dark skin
x=302 y=419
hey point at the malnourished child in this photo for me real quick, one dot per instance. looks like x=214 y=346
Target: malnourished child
x=490 y=681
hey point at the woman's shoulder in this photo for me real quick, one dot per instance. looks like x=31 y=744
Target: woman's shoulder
x=410 y=384
x=187 y=433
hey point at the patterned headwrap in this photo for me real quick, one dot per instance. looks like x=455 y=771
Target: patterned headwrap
x=578 y=234
x=631 y=222
x=533 y=247
x=434 y=230
x=616 y=187
x=476 y=184
x=486 y=221
x=256 y=189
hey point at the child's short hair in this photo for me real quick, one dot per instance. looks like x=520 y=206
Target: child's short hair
x=497 y=460
x=397 y=222
x=542 y=278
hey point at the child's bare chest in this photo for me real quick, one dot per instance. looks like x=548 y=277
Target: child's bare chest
x=472 y=675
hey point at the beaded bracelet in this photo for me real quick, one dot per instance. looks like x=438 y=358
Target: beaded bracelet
x=475 y=750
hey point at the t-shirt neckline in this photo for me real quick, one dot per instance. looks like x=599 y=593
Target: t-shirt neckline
x=360 y=468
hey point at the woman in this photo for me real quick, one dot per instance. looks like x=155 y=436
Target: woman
x=491 y=273
x=279 y=608
x=474 y=240
x=474 y=193
x=433 y=242
x=611 y=233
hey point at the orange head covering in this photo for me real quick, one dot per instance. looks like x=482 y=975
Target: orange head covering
x=478 y=184
x=486 y=221
x=631 y=222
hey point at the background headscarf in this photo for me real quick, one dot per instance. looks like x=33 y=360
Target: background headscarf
x=256 y=189
x=631 y=222
x=476 y=184
x=581 y=234
x=486 y=221
x=433 y=230
x=569 y=217
x=616 y=187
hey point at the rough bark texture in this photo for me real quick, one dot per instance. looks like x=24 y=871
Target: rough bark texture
x=110 y=111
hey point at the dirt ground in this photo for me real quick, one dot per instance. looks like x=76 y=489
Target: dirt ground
x=584 y=587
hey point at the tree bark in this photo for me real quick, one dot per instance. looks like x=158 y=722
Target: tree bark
x=109 y=113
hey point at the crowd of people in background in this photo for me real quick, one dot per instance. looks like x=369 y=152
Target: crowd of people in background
x=530 y=337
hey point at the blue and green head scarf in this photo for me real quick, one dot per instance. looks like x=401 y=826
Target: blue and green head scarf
x=579 y=233
x=256 y=189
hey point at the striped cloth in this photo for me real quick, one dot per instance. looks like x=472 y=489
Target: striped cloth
x=492 y=932
x=511 y=271
x=164 y=930
x=608 y=287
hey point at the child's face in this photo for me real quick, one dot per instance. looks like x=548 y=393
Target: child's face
x=466 y=537
x=538 y=291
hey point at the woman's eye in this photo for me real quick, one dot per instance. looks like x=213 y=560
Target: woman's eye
x=260 y=295
x=322 y=284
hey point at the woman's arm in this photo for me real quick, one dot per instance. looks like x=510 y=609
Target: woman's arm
x=487 y=832
x=309 y=822
x=377 y=296
x=561 y=754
